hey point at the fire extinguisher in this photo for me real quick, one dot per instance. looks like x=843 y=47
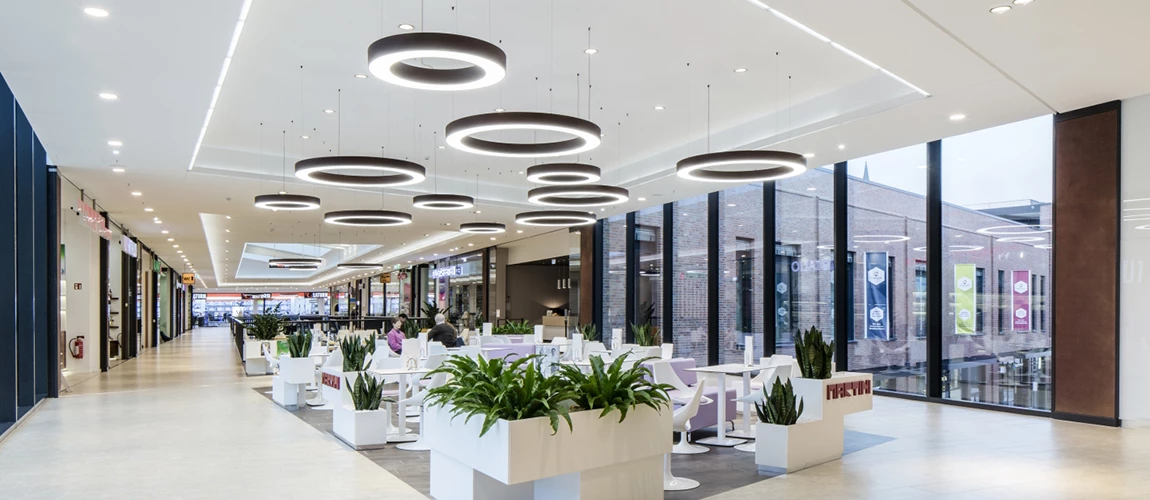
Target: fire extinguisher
x=76 y=347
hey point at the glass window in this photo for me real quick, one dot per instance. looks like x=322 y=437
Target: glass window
x=886 y=232
x=375 y=305
x=804 y=256
x=614 y=277
x=1004 y=227
x=649 y=248
x=689 y=261
x=740 y=288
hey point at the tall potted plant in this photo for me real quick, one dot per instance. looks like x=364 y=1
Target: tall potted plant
x=829 y=395
x=782 y=440
x=646 y=336
x=262 y=330
x=530 y=432
x=355 y=360
x=362 y=424
x=296 y=367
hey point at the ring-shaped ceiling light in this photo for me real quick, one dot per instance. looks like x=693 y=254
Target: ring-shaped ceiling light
x=1021 y=239
x=880 y=238
x=294 y=262
x=461 y=134
x=287 y=202
x=390 y=171
x=580 y=196
x=482 y=227
x=301 y=268
x=1016 y=229
x=554 y=218
x=767 y=166
x=359 y=265
x=386 y=56
x=443 y=202
x=563 y=174
x=956 y=248
x=377 y=218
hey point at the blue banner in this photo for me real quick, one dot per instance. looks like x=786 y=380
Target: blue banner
x=877 y=309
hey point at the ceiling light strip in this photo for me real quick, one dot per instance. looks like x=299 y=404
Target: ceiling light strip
x=837 y=46
x=220 y=82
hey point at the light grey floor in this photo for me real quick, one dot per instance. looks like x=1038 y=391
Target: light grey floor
x=182 y=421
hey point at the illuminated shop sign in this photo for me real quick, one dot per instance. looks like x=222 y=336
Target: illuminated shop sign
x=446 y=272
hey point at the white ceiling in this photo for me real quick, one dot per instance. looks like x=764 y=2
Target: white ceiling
x=163 y=59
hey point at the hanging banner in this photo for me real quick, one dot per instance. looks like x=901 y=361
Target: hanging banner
x=1020 y=290
x=877 y=296
x=964 y=299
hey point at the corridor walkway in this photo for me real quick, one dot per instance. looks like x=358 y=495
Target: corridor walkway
x=181 y=421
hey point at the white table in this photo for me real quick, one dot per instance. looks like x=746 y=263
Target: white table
x=722 y=371
x=402 y=374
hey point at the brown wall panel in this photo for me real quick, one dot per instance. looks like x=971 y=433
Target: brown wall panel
x=1086 y=207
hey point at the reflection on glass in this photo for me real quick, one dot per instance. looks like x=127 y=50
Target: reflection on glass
x=689 y=302
x=649 y=248
x=740 y=286
x=614 y=277
x=804 y=256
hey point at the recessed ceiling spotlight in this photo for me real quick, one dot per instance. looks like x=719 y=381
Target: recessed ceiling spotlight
x=158 y=221
x=108 y=96
x=406 y=27
x=305 y=137
x=137 y=193
x=115 y=144
x=731 y=205
x=740 y=70
x=641 y=199
x=329 y=111
x=442 y=147
x=1023 y=2
x=115 y=152
x=361 y=76
x=842 y=147
x=957 y=117
x=228 y=217
x=520 y=231
x=499 y=110
x=812 y=189
x=492 y=238
x=96 y=12
x=118 y=170
x=171 y=239
x=1001 y=9
x=164 y=231
x=659 y=108
x=471 y=244
x=591 y=51
x=227 y=230
x=227 y=241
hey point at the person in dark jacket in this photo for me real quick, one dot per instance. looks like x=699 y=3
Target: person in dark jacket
x=442 y=332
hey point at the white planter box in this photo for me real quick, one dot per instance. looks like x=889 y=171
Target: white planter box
x=840 y=395
x=599 y=458
x=297 y=370
x=361 y=430
x=254 y=361
x=346 y=381
x=331 y=383
x=287 y=395
x=796 y=447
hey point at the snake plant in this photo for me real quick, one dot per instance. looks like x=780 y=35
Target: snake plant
x=514 y=328
x=614 y=387
x=645 y=335
x=590 y=332
x=814 y=354
x=268 y=325
x=299 y=344
x=410 y=329
x=494 y=390
x=354 y=351
x=366 y=392
x=778 y=407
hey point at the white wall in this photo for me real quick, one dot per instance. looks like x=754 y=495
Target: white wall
x=544 y=246
x=81 y=265
x=1134 y=336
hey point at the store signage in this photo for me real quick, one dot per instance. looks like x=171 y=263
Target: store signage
x=812 y=265
x=877 y=309
x=91 y=218
x=331 y=380
x=965 y=296
x=848 y=389
x=1020 y=291
x=385 y=278
x=316 y=295
x=249 y=296
x=188 y=278
x=199 y=296
x=402 y=276
x=445 y=272
x=78 y=286
x=129 y=245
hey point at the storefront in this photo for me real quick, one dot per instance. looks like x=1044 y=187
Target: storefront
x=457 y=284
x=214 y=309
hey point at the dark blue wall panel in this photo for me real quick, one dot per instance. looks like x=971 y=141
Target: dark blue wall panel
x=7 y=256
x=25 y=270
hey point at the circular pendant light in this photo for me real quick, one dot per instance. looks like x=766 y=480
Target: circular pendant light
x=390 y=172
x=378 y=218
x=359 y=265
x=764 y=166
x=563 y=173
x=482 y=227
x=587 y=195
x=302 y=268
x=287 y=202
x=443 y=202
x=386 y=56
x=554 y=218
x=294 y=262
x=461 y=134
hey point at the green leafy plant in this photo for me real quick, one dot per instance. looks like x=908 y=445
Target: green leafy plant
x=299 y=344
x=429 y=310
x=366 y=392
x=267 y=325
x=614 y=388
x=814 y=354
x=590 y=332
x=494 y=390
x=646 y=336
x=477 y=321
x=514 y=328
x=646 y=312
x=410 y=330
x=778 y=407
x=354 y=351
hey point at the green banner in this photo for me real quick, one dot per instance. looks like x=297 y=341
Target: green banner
x=965 y=298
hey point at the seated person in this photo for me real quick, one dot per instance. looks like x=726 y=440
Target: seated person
x=442 y=332
x=395 y=336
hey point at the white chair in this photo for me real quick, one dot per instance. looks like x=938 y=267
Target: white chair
x=471 y=351
x=664 y=373
x=764 y=380
x=667 y=351
x=419 y=444
x=383 y=363
x=680 y=421
x=596 y=348
x=436 y=348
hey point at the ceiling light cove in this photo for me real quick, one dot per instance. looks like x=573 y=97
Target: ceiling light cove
x=461 y=134
x=239 y=29
x=482 y=227
x=579 y=196
x=563 y=173
x=386 y=56
x=771 y=165
x=294 y=262
x=371 y=218
x=443 y=202
x=286 y=202
x=359 y=265
x=554 y=218
x=391 y=172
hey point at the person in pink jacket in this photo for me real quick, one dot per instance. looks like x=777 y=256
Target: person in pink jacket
x=395 y=336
